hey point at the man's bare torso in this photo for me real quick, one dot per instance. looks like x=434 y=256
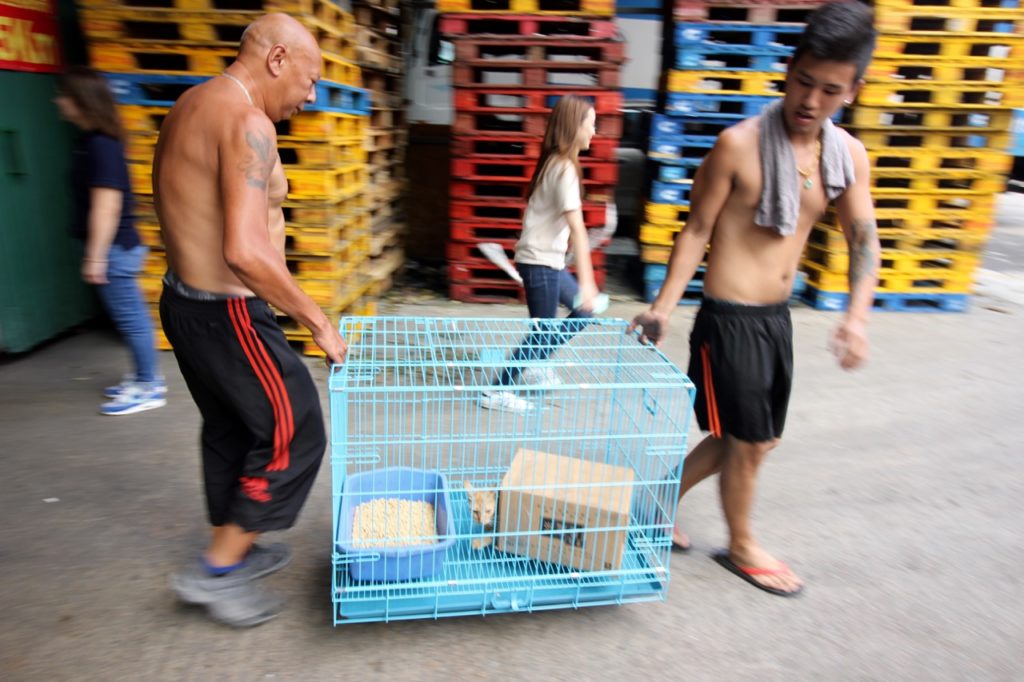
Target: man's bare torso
x=748 y=263
x=186 y=177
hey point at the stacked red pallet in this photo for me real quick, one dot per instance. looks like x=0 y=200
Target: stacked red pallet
x=509 y=71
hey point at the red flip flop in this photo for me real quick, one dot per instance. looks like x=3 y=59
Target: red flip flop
x=748 y=573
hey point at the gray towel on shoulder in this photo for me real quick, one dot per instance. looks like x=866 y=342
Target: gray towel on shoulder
x=779 y=207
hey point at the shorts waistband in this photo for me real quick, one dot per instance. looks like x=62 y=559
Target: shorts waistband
x=173 y=282
x=713 y=305
x=183 y=297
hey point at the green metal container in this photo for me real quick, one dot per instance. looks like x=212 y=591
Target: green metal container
x=41 y=292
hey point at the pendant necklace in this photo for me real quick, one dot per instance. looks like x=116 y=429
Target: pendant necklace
x=249 y=97
x=805 y=174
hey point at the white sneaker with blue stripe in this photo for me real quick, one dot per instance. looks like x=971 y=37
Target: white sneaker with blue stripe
x=137 y=397
x=127 y=381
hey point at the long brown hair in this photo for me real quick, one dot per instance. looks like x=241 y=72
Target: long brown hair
x=91 y=94
x=560 y=138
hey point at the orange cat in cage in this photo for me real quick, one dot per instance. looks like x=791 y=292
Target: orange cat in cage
x=482 y=504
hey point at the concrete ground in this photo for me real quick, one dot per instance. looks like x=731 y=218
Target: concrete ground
x=897 y=494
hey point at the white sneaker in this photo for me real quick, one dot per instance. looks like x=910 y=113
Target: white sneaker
x=128 y=381
x=505 y=401
x=537 y=376
x=137 y=398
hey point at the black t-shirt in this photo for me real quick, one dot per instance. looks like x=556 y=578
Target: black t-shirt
x=98 y=161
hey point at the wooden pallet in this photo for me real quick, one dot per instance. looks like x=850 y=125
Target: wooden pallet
x=567 y=76
x=382 y=269
x=954 y=21
x=898 y=261
x=906 y=240
x=746 y=11
x=195 y=59
x=553 y=7
x=837 y=301
x=726 y=83
x=324 y=241
x=527 y=26
x=322 y=126
x=318 y=184
x=204 y=27
x=384 y=237
x=323 y=214
x=895 y=282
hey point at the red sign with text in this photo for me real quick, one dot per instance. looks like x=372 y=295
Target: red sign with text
x=29 y=36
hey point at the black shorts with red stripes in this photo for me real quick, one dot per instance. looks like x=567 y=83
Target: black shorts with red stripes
x=263 y=431
x=741 y=361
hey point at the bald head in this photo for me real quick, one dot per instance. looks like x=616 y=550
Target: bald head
x=275 y=29
x=279 y=61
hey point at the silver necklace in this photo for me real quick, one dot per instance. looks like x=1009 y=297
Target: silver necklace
x=241 y=85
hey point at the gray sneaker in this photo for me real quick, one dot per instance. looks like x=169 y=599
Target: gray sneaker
x=271 y=557
x=195 y=585
x=245 y=606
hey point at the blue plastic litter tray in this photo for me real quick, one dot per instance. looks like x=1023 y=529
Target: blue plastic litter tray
x=398 y=564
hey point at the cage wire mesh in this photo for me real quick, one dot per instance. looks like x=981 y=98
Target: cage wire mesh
x=444 y=508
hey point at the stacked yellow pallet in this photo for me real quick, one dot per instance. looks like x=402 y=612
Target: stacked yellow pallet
x=151 y=54
x=935 y=115
x=379 y=29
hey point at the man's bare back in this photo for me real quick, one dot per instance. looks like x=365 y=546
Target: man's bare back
x=186 y=176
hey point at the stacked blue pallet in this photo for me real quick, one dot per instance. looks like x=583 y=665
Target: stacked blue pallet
x=163 y=90
x=730 y=58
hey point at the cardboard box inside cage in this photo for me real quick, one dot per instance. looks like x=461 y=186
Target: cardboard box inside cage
x=565 y=510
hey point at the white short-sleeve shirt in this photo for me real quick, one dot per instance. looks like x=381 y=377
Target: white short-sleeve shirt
x=545 y=237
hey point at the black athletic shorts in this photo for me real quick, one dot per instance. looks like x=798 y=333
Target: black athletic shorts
x=263 y=431
x=741 y=361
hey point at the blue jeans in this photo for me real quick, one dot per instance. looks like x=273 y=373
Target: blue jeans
x=123 y=301
x=546 y=288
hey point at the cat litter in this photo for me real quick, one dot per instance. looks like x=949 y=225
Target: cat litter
x=387 y=522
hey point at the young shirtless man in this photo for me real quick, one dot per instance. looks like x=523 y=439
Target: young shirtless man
x=741 y=355
x=218 y=187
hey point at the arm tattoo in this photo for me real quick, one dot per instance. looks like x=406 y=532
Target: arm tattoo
x=260 y=162
x=863 y=236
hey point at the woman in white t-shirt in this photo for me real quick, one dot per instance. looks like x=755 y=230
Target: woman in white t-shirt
x=554 y=213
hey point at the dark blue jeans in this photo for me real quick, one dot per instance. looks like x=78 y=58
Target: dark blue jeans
x=546 y=288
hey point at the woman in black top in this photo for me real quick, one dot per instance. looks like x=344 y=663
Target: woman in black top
x=103 y=220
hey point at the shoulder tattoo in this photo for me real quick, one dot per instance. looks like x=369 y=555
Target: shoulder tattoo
x=260 y=161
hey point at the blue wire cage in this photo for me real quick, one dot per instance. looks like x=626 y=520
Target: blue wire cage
x=573 y=485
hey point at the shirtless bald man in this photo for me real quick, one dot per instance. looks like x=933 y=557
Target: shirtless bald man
x=757 y=210
x=218 y=188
